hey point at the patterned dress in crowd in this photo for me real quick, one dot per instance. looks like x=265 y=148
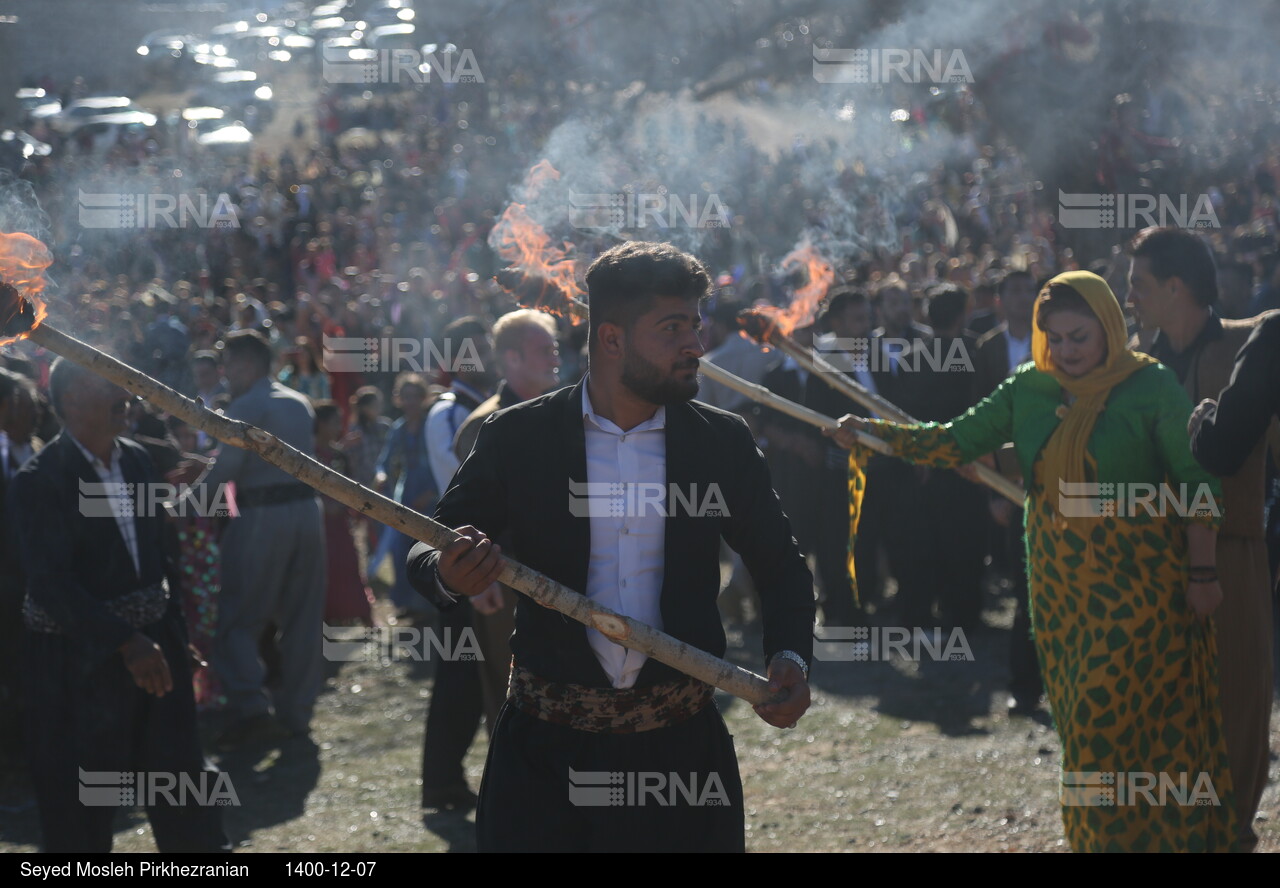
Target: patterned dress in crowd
x=199 y=564
x=1130 y=674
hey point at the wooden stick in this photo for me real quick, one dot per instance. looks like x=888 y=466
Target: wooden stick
x=855 y=391
x=841 y=382
x=762 y=395
x=542 y=589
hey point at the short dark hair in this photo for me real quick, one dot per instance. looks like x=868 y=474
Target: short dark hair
x=726 y=310
x=624 y=281
x=62 y=375
x=843 y=297
x=947 y=304
x=325 y=411
x=469 y=327
x=1059 y=297
x=1176 y=252
x=1010 y=275
x=249 y=344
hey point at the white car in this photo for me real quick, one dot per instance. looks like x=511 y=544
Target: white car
x=36 y=103
x=81 y=111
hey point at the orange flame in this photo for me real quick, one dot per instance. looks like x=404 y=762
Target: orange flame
x=23 y=260
x=819 y=276
x=524 y=244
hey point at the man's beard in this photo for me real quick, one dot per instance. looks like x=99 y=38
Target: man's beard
x=646 y=380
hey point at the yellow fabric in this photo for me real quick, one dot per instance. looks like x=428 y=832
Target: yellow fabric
x=858 y=456
x=1066 y=450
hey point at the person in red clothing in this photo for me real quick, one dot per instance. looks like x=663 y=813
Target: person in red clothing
x=348 y=599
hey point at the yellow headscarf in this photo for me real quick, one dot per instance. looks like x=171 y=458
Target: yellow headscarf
x=1065 y=451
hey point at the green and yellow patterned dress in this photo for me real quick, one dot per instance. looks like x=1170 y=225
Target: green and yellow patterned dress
x=1130 y=675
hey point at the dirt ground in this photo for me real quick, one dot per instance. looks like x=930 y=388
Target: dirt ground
x=894 y=756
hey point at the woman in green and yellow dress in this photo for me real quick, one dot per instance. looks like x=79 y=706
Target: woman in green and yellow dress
x=1121 y=590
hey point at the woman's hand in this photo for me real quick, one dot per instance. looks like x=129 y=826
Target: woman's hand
x=1204 y=598
x=846 y=435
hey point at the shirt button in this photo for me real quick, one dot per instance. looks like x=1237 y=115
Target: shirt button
x=625 y=530
x=624 y=437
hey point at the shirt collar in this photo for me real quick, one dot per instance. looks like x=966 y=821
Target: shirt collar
x=657 y=421
x=93 y=460
x=1162 y=349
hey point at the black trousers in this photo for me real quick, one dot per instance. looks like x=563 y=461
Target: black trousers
x=951 y=536
x=552 y=788
x=91 y=716
x=453 y=715
x=1025 y=681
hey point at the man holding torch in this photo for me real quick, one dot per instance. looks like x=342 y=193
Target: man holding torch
x=592 y=731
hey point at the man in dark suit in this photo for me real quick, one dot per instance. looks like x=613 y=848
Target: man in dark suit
x=107 y=681
x=1173 y=287
x=584 y=713
x=847 y=314
x=893 y=486
x=999 y=353
x=950 y=526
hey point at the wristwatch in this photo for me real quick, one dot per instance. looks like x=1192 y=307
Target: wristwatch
x=794 y=658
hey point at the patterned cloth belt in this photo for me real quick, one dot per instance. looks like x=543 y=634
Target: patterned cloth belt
x=607 y=710
x=138 y=608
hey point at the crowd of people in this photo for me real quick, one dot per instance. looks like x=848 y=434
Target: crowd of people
x=383 y=234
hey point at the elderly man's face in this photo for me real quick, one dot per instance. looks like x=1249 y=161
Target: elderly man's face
x=96 y=406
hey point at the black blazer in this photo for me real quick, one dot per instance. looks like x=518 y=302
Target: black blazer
x=991 y=362
x=515 y=483
x=73 y=563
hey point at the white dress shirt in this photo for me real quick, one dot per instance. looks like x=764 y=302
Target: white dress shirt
x=1019 y=350
x=119 y=496
x=627 y=544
